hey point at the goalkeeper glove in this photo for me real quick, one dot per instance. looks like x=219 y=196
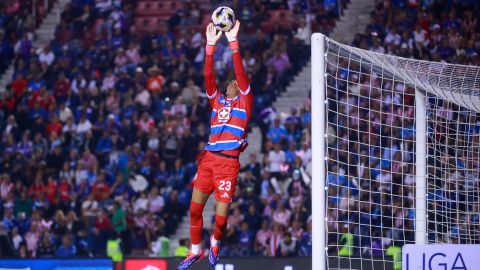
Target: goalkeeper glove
x=232 y=36
x=212 y=38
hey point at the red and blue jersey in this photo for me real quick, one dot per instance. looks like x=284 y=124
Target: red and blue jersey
x=229 y=117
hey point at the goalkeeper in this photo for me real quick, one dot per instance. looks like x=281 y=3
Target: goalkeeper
x=218 y=169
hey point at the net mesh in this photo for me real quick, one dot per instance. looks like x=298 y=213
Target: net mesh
x=453 y=173
x=370 y=150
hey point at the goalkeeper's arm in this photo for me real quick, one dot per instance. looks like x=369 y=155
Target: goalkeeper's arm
x=210 y=83
x=212 y=38
x=240 y=74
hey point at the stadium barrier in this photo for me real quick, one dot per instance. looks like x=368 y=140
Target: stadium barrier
x=250 y=263
x=260 y=263
x=56 y=264
x=359 y=263
x=147 y=263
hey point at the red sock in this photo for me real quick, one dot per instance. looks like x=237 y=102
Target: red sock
x=219 y=227
x=196 y=222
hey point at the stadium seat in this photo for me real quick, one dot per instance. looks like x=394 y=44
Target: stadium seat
x=266 y=26
x=282 y=17
x=150 y=24
x=206 y=7
x=146 y=9
x=206 y=19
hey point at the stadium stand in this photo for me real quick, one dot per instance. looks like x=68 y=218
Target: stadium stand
x=429 y=30
x=111 y=110
x=104 y=126
x=441 y=31
x=17 y=21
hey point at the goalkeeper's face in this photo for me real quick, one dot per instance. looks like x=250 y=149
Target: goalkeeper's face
x=232 y=89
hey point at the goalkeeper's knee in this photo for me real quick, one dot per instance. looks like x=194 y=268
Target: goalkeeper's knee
x=196 y=222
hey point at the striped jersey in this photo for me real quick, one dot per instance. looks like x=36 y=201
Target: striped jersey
x=229 y=121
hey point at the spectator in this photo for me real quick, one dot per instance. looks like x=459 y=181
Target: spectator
x=156 y=201
x=67 y=249
x=32 y=238
x=305 y=245
x=304 y=32
x=275 y=240
x=46 y=247
x=100 y=189
x=23 y=205
x=288 y=246
x=190 y=92
x=276 y=161
x=282 y=215
x=46 y=56
x=156 y=80
x=17 y=239
x=245 y=238
x=261 y=245
x=84 y=125
x=253 y=166
x=23 y=252
x=182 y=249
x=119 y=218
x=277 y=132
x=236 y=218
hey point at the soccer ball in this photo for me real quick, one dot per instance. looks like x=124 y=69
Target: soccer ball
x=223 y=19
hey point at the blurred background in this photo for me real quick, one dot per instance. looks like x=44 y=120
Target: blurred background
x=104 y=116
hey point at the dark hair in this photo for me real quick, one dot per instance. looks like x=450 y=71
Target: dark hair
x=182 y=242
x=117 y=204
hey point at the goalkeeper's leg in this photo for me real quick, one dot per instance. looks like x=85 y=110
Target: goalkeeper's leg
x=225 y=182
x=196 y=226
x=221 y=216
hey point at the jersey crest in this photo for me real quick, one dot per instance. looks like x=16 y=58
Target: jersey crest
x=224 y=114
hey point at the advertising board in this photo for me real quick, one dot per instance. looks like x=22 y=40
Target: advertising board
x=56 y=264
x=145 y=264
x=441 y=257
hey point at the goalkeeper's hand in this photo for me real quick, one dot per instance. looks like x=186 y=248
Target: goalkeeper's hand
x=232 y=34
x=212 y=35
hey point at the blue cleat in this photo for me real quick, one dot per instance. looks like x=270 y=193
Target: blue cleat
x=189 y=260
x=213 y=256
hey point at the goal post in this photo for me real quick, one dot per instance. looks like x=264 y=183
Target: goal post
x=420 y=168
x=396 y=154
x=318 y=152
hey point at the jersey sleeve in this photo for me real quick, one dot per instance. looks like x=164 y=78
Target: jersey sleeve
x=210 y=84
x=240 y=74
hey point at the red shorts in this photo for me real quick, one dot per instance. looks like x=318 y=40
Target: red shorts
x=217 y=174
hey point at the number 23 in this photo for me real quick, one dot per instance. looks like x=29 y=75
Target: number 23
x=225 y=185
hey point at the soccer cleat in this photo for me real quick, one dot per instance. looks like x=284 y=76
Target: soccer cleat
x=213 y=256
x=189 y=260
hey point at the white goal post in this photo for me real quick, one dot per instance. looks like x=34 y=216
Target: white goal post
x=396 y=154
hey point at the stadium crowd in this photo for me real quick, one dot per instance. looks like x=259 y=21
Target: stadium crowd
x=441 y=31
x=371 y=162
x=371 y=135
x=103 y=128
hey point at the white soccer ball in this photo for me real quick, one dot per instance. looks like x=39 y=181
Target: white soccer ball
x=223 y=19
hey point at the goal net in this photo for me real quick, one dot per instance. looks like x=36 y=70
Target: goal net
x=397 y=144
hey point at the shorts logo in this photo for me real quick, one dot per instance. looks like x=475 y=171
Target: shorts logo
x=224 y=114
x=225 y=195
